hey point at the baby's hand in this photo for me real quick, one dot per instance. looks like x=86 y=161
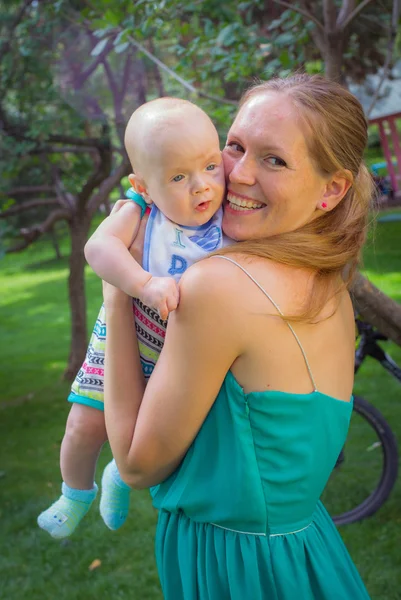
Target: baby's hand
x=161 y=293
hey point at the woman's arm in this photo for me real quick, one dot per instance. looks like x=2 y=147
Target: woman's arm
x=150 y=431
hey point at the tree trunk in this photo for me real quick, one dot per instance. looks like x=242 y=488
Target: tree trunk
x=371 y=304
x=376 y=308
x=55 y=244
x=333 y=56
x=79 y=230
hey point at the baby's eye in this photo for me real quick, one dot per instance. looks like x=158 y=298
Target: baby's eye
x=276 y=161
x=211 y=167
x=178 y=177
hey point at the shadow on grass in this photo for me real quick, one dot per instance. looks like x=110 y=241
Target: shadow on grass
x=52 y=264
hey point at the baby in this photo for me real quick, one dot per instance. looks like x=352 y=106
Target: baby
x=174 y=151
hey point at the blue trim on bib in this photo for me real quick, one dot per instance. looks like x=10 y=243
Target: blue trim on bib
x=199 y=228
x=148 y=233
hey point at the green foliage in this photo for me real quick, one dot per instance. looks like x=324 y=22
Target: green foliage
x=222 y=48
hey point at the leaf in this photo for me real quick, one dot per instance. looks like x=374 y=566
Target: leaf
x=226 y=35
x=285 y=39
x=121 y=47
x=95 y=564
x=285 y=59
x=100 y=46
x=118 y=37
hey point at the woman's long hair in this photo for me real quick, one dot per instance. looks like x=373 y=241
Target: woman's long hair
x=335 y=130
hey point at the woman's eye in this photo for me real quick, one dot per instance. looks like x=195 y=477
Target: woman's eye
x=234 y=146
x=178 y=177
x=210 y=167
x=276 y=161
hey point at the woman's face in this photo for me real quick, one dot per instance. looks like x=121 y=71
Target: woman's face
x=272 y=184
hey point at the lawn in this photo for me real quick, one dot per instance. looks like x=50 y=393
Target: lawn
x=35 y=342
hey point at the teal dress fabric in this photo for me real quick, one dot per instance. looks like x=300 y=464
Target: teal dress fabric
x=241 y=518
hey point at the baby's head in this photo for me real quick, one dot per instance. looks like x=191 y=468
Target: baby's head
x=174 y=151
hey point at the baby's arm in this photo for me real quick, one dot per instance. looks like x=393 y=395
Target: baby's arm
x=107 y=253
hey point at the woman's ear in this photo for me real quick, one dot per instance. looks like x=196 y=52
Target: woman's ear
x=140 y=187
x=335 y=190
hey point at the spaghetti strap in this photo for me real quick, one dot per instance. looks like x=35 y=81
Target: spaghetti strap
x=278 y=310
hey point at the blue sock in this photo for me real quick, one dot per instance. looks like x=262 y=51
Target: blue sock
x=62 y=517
x=115 y=497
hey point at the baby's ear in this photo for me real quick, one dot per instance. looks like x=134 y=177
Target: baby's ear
x=140 y=187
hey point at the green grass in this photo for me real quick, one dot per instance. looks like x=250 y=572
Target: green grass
x=35 y=334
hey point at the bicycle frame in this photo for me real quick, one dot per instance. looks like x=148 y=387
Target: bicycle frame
x=368 y=346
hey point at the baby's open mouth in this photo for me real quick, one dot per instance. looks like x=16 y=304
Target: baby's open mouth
x=203 y=206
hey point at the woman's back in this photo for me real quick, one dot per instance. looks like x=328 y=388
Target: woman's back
x=294 y=359
x=251 y=481
x=274 y=398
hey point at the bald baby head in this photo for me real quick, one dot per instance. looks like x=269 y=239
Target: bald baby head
x=175 y=154
x=159 y=123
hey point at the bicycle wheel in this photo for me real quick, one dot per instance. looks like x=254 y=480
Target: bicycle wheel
x=366 y=470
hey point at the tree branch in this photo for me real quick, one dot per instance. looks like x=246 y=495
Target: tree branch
x=376 y=308
x=28 y=189
x=117 y=96
x=66 y=199
x=346 y=9
x=99 y=59
x=157 y=75
x=389 y=55
x=305 y=13
x=126 y=71
x=82 y=142
x=318 y=35
x=354 y=13
x=20 y=208
x=31 y=234
x=174 y=75
x=18 y=132
x=107 y=186
x=62 y=150
x=101 y=173
x=5 y=46
x=329 y=15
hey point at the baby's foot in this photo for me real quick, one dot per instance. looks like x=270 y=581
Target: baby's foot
x=62 y=517
x=115 y=497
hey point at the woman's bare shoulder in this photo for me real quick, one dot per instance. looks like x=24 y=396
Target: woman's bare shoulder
x=223 y=279
x=211 y=281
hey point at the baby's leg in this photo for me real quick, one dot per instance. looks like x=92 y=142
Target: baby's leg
x=85 y=434
x=83 y=439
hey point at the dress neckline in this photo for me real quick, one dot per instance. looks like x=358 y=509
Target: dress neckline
x=314 y=393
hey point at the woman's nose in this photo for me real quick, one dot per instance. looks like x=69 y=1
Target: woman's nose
x=242 y=172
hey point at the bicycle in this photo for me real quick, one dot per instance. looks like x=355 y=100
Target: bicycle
x=367 y=467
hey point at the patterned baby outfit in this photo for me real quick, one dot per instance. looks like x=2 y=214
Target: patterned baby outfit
x=169 y=249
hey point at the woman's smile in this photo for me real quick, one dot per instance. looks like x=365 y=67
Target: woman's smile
x=238 y=202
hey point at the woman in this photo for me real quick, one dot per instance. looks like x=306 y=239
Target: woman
x=249 y=404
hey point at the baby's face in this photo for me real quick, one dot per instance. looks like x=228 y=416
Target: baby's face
x=186 y=174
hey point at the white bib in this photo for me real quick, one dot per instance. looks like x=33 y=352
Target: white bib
x=169 y=248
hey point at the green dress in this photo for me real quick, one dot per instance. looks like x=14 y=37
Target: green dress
x=241 y=519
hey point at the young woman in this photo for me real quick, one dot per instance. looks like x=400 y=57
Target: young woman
x=249 y=404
